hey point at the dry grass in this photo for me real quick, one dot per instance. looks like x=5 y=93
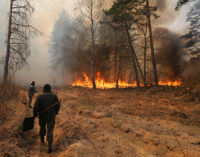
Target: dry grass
x=192 y=82
x=8 y=92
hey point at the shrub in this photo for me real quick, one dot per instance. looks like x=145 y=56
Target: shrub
x=8 y=92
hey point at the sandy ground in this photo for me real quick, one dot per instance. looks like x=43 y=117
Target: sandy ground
x=157 y=122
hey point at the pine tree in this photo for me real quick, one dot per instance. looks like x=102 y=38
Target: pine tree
x=129 y=15
x=181 y=3
x=193 y=17
x=124 y=13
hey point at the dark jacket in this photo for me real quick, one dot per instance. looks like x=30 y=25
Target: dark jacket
x=42 y=102
x=31 y=90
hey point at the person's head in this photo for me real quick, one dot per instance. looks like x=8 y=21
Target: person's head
x=33 y=83
x=47 y=88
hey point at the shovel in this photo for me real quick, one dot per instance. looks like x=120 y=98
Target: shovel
x=28 y=123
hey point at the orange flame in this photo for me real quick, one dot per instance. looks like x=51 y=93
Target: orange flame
x=170 y=83
x=102 y=84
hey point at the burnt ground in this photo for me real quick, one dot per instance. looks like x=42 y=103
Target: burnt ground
x=156 y=122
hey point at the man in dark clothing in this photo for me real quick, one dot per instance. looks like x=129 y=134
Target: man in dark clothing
x=31 y=92
x=49 y=103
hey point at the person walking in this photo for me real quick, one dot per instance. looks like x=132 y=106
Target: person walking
x=31 y=92
x=47 y=107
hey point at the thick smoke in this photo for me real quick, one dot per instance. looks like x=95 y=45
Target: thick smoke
x=162 y=4
x=170 y=53
x=166 y=11
x=68 y=47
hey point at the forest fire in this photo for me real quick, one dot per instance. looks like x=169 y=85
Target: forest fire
x=102 y=84
x=171 y=83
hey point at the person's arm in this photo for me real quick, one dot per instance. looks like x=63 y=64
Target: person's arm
x=36 y=107
x=29 y=89
x=57 y=106
x=35 y=90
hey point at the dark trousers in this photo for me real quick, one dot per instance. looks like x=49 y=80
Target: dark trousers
x=49 y=124
x=30 y=99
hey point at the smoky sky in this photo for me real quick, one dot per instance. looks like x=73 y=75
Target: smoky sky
x=169 y=18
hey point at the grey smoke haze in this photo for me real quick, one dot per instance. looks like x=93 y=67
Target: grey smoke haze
x=165 y=11
x=171 y=19
x=68 y=47
x=46 y=12
x=162 y=4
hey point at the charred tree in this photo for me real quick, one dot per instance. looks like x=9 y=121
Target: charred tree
x=145 y=58
x=117 y=65
x=18 y=39
x=8 y=43
x=93 y=52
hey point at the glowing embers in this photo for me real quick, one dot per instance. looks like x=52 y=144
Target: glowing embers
x=102 y=84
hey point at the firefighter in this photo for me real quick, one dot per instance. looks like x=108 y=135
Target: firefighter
x=49 y=102
x=31 y=92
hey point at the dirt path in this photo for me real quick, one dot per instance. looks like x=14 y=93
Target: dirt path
x=11 y=131
x=110 y=123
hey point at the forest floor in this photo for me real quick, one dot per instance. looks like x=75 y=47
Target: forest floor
x=155 y=122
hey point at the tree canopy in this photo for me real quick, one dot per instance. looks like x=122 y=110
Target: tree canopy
x=182 y=2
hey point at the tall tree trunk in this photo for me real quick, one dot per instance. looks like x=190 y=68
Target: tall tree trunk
x=140 y=70
x=117 y=79
x=133 y=55
x=93 y=62
x=93 y=51
x=6 y=66
x=151 y=44
x=117 y=68
x=145 y=60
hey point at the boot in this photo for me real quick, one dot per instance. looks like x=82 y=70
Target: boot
x=42 y=139
x=49 y=147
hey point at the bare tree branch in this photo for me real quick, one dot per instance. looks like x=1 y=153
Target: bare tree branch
x=19 y=32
